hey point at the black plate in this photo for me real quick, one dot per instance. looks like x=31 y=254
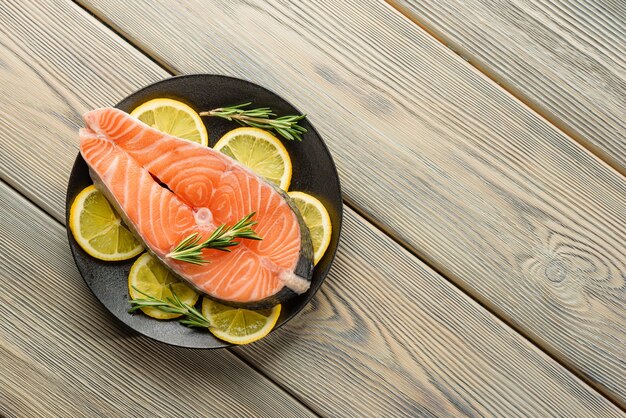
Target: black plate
x=314 y=172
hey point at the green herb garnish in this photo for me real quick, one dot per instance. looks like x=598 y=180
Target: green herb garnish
x=286 y=126
x=190 y=249
x=192 y=317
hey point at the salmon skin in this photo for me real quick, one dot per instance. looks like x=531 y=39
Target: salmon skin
x=130 y=162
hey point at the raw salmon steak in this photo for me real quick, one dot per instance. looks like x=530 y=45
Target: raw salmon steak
x=166 y=188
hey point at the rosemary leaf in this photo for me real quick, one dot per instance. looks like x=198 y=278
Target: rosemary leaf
x=189 y=250
x=262 y=117
x=191 y=316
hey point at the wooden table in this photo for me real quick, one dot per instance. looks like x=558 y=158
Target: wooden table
x=482 y=152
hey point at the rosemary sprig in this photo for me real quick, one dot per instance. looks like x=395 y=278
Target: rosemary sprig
x=192 y=317
x=261 y=117
x=190 y=249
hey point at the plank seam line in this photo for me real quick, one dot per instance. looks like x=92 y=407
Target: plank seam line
x=133 y=43
x=500 y=316
x=302 y=401
x=588 y=146
x=390 y=234
x=8 y=185
x=170 y=71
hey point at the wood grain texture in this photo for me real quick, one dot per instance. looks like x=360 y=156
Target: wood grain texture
x=56 y=360
x=351 y=353
x=565 y=58
x=62 y=354
x=385 y=323
x=432 y=353
x=503 y=203
x=99 y=79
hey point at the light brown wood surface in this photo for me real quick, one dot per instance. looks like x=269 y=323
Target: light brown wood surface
x=36 y=61
x=501 y=202
x=351 y=352
x=63 y=354
x=565 y=58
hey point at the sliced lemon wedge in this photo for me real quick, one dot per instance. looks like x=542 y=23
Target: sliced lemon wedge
x=239 y=326
x=99 y=230
x=316 y=219
x=152 y=278
x=260 y=151
x=174 y=118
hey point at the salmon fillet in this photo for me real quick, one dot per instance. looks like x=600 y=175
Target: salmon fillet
x=204 y=189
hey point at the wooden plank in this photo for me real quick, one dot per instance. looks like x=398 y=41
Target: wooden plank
x=386 y=324
x=98 y=77
x=505 y=205
x=565 y=58
x=81 y=363
x=63 y=355
x=433 y=352
x=351 y=352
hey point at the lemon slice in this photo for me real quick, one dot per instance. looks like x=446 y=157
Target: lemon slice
x=316 y=219
x=99 y=230
x=174 y=118
x=260 y=151
x=239 y=326
x=151 y=277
